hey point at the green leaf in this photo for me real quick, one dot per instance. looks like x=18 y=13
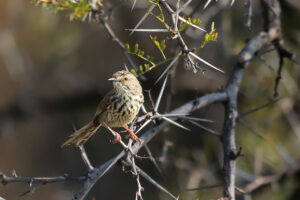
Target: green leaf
x=141 y=68
x=127 y=47
x=141 y=53
x=133 y=72
x=212 y=26
x=162 y=45
x=216 y=36
x=136 y=48
x=206 y=37
x=196 y=21
x=147 y=67
x=148 y=58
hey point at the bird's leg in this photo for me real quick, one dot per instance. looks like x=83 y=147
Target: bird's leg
x=117 y=136
x=117 y=139
x=131 y=134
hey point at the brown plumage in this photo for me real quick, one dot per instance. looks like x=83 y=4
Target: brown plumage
x=118 y=108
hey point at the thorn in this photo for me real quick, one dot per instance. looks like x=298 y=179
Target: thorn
x=160 y=93
x=235 y=155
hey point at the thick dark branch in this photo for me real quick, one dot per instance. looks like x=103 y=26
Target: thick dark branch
x=272 y=27
x=282 y=53
x=95 y=175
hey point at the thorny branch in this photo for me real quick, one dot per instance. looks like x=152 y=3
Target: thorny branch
x=282 y=54
x=40 y=180
x=271 y=33
x=189 y=107
x=228 y=96
x=85 y=158
x=136 y=173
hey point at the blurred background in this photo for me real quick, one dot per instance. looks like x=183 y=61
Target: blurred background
x=53 y=73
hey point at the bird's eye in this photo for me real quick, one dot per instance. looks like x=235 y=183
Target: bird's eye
x=126 y=79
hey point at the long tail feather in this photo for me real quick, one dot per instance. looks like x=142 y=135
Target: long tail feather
x=80 y=136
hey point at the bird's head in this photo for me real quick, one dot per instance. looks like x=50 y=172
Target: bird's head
x=124 y=81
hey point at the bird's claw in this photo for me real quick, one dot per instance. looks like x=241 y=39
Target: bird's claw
x=117 y=139
x=133 y=137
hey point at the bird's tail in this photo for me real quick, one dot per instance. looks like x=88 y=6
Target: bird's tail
x=80 y=136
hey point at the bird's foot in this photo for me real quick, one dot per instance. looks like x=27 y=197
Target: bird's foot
x=131 y=135
x=117 y=139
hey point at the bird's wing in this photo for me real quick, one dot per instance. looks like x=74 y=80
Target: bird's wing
x=104 y=103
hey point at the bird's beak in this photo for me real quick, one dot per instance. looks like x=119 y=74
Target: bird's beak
x=113 y=79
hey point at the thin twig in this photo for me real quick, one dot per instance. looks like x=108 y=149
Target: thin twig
x=249 y=15
x=138 y=194
x=245 y=124
x=204 y=187
x=43 y=180
x=261 y=181
x=114 y=38
x=278 y=77
x=258 y=108
x=160 y=94
x=207 y=129
x=85 y=158
x=143 y=18
x=153 y=160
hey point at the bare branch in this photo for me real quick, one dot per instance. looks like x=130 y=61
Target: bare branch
x=143 y=18
x=42 y=180
x=244 y=114
x=147 y=177
x=85 y=158
x=147 y=30
x=138 y=194
x=249 y=15
x=207 y=129
x=261 y=181
x=205 y=187
x=95 y=175
x=179 y=10
x=255 y=44
x=168 y=68
x=176 y=124
x=153 y=160
x=160 y=94
x=189 y=107
x=245 y=124
x=205 y=62
x=117 y=40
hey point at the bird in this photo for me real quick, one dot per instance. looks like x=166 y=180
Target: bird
x=117 y=109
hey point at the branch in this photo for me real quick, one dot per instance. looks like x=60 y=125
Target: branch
x=85 y=158
x=42 y=180
x=261 y=181
x=95 y=175
x=187 y=108
x=256 y=43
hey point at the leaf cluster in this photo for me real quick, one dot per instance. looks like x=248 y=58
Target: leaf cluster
x=212 y=36
x=185 y=24
x=77 y=8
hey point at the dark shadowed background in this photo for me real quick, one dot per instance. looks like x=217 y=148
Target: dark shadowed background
x=54 y=71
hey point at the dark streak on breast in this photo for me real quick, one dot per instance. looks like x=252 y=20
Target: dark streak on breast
x=121 y=107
